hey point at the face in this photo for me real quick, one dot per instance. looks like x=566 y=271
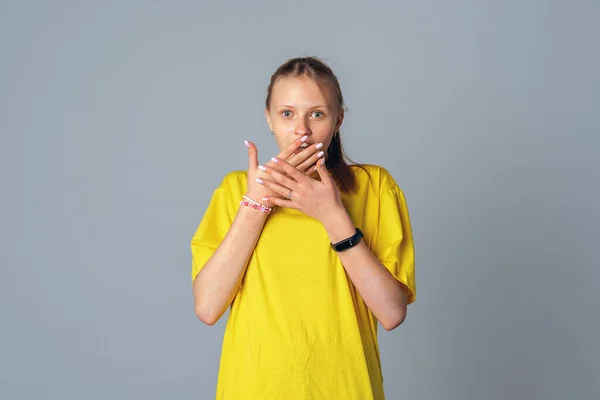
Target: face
x=299 y=106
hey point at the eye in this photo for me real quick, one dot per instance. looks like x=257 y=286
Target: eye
x=286 y=113
x=318 y=114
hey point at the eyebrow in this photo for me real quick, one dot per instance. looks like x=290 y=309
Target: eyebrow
x=318 y=106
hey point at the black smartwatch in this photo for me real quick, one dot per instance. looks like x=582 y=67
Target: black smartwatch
x=347 y=243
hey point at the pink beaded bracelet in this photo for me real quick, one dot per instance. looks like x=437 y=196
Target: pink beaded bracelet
x=256 y=206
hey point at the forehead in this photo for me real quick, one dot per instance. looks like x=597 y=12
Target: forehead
x=299 y=91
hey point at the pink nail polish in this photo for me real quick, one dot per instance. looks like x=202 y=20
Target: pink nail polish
x=246 y=143
x=322 y=161
x=304 y=138
x=321 y=154
x=275 y=160
x=319 y=146
x=259 y=180
x=265 y=199
x=262 y=168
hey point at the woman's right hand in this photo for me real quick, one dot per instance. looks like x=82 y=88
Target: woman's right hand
x=305 y=161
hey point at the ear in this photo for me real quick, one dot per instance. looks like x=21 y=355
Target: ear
x=339 y=121
x=268 y=118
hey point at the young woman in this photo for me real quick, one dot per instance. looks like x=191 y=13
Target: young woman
x=308 y=251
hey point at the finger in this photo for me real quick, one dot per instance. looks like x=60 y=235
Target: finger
x=252 y=155
x=309 y=161
x=291 y=171
x=314 y=175
x=280 y=177
x=272 y=193
x=324 y=173
x=264 y=176
x=295 y=145
x=310 y=170
x=276 y=187
x=300 y=157
x=280 y=202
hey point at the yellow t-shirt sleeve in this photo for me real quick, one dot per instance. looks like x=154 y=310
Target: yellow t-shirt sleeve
x=217 y=219
x=210 y=232
x=395 y=248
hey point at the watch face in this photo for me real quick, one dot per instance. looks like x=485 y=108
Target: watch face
x=348 y=243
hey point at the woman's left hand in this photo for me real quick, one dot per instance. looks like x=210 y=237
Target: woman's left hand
x=317 y=199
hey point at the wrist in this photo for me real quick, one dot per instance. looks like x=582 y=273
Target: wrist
x=250 y=202
x=257 y=197
x=251 y=213
x=339 y=225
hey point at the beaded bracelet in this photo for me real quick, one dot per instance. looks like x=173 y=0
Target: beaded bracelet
x=260 y=207
x=251 y=201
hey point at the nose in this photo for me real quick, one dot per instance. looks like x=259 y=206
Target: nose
x=302 y=127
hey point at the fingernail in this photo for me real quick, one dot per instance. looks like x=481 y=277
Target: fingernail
x=315 y=168
x=320 y=154
x=265 y=199
x=319 y=146
x=246 y=143
x=304 y=138
x=322 y=161
x=276 y=161
x=262 y=168
x=259 y=180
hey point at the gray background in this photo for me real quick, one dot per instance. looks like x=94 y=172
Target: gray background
x=119 y=118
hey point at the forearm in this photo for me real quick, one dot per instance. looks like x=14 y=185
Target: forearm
x=382 y=292
x=217 y=283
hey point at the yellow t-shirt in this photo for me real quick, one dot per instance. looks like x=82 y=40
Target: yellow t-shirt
x=298 y=328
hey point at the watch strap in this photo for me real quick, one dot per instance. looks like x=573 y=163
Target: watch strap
x=349 y=242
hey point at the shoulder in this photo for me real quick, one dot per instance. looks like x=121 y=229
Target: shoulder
x=378 y=177
x=232 y=187
x=234 y=180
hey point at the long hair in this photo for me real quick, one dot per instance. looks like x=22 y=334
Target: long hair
x=337 y=161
